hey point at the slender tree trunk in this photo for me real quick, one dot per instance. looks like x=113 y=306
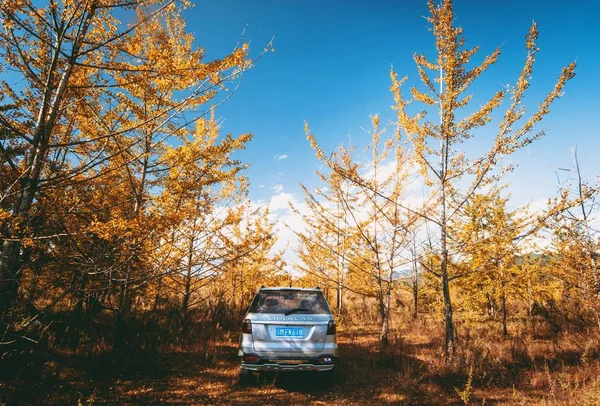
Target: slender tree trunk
x=449 y=326
x=339 y=294
x=122 y=314
x=242 y=295
x=185 y=303
x=381 y=296
x=157 y=296
x=503 y=299
x=385 y=328
x=415 y=287
x=504 y=316
x=81 y=295
x=341 y=242
x=234 y=289
x=381 y=306
x=491 y=307
x=444 y=141
x=10 y=268
x=415 y=304
x=383 y=336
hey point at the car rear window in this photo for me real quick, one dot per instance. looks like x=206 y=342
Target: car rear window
x=282 y=302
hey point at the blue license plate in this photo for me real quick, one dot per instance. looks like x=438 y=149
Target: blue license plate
x=289 y=332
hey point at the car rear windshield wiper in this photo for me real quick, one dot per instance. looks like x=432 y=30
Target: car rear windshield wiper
x=297 y=309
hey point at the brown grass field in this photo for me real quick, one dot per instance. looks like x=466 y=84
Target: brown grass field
x=521 y=371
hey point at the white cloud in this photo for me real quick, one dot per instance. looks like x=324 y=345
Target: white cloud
x=287 y=223
x=280 y=201
x=279 y=157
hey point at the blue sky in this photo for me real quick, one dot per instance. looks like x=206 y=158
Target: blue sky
x=331 y=66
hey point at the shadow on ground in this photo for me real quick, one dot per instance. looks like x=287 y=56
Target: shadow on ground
x=367 y=374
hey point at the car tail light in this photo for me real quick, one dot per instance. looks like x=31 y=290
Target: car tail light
x=331 y=328
x=252 y=359
x=246 y=326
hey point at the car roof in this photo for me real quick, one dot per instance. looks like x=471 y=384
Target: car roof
x=271 y=289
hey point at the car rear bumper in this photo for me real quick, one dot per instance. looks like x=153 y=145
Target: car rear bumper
x=287 y=368
x=288 y=364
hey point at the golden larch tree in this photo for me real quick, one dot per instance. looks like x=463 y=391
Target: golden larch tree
x=452 y=176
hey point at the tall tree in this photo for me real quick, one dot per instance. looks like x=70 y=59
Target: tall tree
x=94 y=98
x=581 y=217
x=324 y=245
x=452 y=176
x=381 y=226
x=487 y=234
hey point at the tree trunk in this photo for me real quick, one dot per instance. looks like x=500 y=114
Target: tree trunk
x=81 y=295
x=415 y=303
x=504 y=315
x=503 y=299
x=385 y=328
x=449 y=326
x=444 y=142
x=339 y=294
x=185 y=303
x=157 y=296
x=340 y=268
x=185 y=307
x=122 y=316
x=415 y=289
x=10 y=270
x=491 y=307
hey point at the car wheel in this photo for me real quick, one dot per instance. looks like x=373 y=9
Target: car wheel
x=328 y=377
x=244 y=377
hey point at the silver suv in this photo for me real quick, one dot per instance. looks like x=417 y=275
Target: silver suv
x=288 y=329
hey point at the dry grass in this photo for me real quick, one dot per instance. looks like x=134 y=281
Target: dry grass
x=521 y=370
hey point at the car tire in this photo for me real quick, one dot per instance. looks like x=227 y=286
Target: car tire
x=328 y=377
x=244 y=377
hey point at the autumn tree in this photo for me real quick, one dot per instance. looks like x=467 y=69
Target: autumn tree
x=487 y=234
x=96 y=102
x=227 y=250
x=193 y=210
x=252 y=260
x=414 y=283
x=572 y=254
x=324 y=245
x=452 y=176
x=381 y=226
x=580 y=218
x=320 y=266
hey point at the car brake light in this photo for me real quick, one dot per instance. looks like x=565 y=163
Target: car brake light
x=251 y=359
x=331 y=328
x=246 y=326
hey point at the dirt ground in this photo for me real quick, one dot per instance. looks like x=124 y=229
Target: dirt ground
x=366 y=376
